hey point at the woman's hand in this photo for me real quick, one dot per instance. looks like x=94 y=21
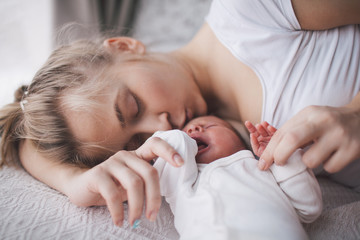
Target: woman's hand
x=334 y=132
x=127 y=175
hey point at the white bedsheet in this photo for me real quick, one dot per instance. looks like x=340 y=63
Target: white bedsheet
x=31 y=210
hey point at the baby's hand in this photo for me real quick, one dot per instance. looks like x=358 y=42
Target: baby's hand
x=260 y=136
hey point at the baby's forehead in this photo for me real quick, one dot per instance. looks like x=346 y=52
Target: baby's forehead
x=208 y=119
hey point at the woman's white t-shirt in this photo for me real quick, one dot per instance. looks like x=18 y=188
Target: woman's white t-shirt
x=296 y=68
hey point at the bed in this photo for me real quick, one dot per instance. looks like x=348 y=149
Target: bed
x=31 y=210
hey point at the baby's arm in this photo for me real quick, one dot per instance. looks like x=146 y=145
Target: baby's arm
x=297 y=182
x=173 y=180
x=300 y=186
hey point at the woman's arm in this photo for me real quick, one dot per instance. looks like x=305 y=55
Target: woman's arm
x=334 y=132
x=52 y=173
x=124 y=176
x=326 y=14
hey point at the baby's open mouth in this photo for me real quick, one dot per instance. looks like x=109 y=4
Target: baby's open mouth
x=201 y=145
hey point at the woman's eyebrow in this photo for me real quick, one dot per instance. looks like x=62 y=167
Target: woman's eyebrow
x=119 y=114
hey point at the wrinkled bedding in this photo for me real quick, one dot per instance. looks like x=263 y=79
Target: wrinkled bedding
x=31 y=210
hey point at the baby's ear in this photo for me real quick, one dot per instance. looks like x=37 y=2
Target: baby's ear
x=125 y=44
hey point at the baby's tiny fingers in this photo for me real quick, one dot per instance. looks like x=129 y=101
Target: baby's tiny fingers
x=252 y=129
x=265 y=124
x=262 y=130
x=271 y=129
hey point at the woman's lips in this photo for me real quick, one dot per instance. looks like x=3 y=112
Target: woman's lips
x=186 y=117
x=189 y=115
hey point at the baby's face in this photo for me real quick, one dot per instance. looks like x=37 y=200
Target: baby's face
x=215 y=138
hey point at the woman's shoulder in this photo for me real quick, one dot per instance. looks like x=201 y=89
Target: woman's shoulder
x=255 y=13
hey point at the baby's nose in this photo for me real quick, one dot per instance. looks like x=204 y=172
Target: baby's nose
x=194 y=128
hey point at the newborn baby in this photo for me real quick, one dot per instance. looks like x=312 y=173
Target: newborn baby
x=219 y=192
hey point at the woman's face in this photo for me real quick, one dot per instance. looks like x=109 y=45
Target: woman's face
x=145 y=97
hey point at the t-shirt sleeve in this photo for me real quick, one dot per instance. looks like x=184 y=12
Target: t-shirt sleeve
x=273 y=14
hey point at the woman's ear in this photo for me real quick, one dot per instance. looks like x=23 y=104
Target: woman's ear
x=125 y=44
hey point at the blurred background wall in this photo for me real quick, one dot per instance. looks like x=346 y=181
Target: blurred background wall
x=25 y=42
x=29 y=29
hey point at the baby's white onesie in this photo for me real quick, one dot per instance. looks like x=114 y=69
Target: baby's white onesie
x=231 y=198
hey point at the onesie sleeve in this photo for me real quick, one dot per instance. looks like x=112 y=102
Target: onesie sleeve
x=300 y=186
x=176 y=179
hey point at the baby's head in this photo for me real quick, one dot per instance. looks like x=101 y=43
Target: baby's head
x=215 y=138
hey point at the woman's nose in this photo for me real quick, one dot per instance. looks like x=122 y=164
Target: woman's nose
x=155 y=122
x=164 y=122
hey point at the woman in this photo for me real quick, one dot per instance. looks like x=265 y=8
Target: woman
x=250 y=61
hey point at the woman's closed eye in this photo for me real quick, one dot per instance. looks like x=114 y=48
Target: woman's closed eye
x=128 y=108
x=132 y=106
x=138 y=105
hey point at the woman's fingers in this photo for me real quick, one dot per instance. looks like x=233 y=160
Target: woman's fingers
x=139 y=178
x=334 y=131
x=334 y=155
x=152 y=148
x=284 y=142
x=109 y=190
x=295 y=133
x=141 y=181
x=150 y=178
x=319 y=152
x=156 y=147
x=130 y=180
x=127 y=175
x=337 y=161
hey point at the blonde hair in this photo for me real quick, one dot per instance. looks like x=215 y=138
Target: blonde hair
x=70 y=78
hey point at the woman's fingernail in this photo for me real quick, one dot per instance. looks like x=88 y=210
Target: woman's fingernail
x=119 y=223
x=152 y=217
x=136 y=223
x=261 y=164
x=178 y=160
